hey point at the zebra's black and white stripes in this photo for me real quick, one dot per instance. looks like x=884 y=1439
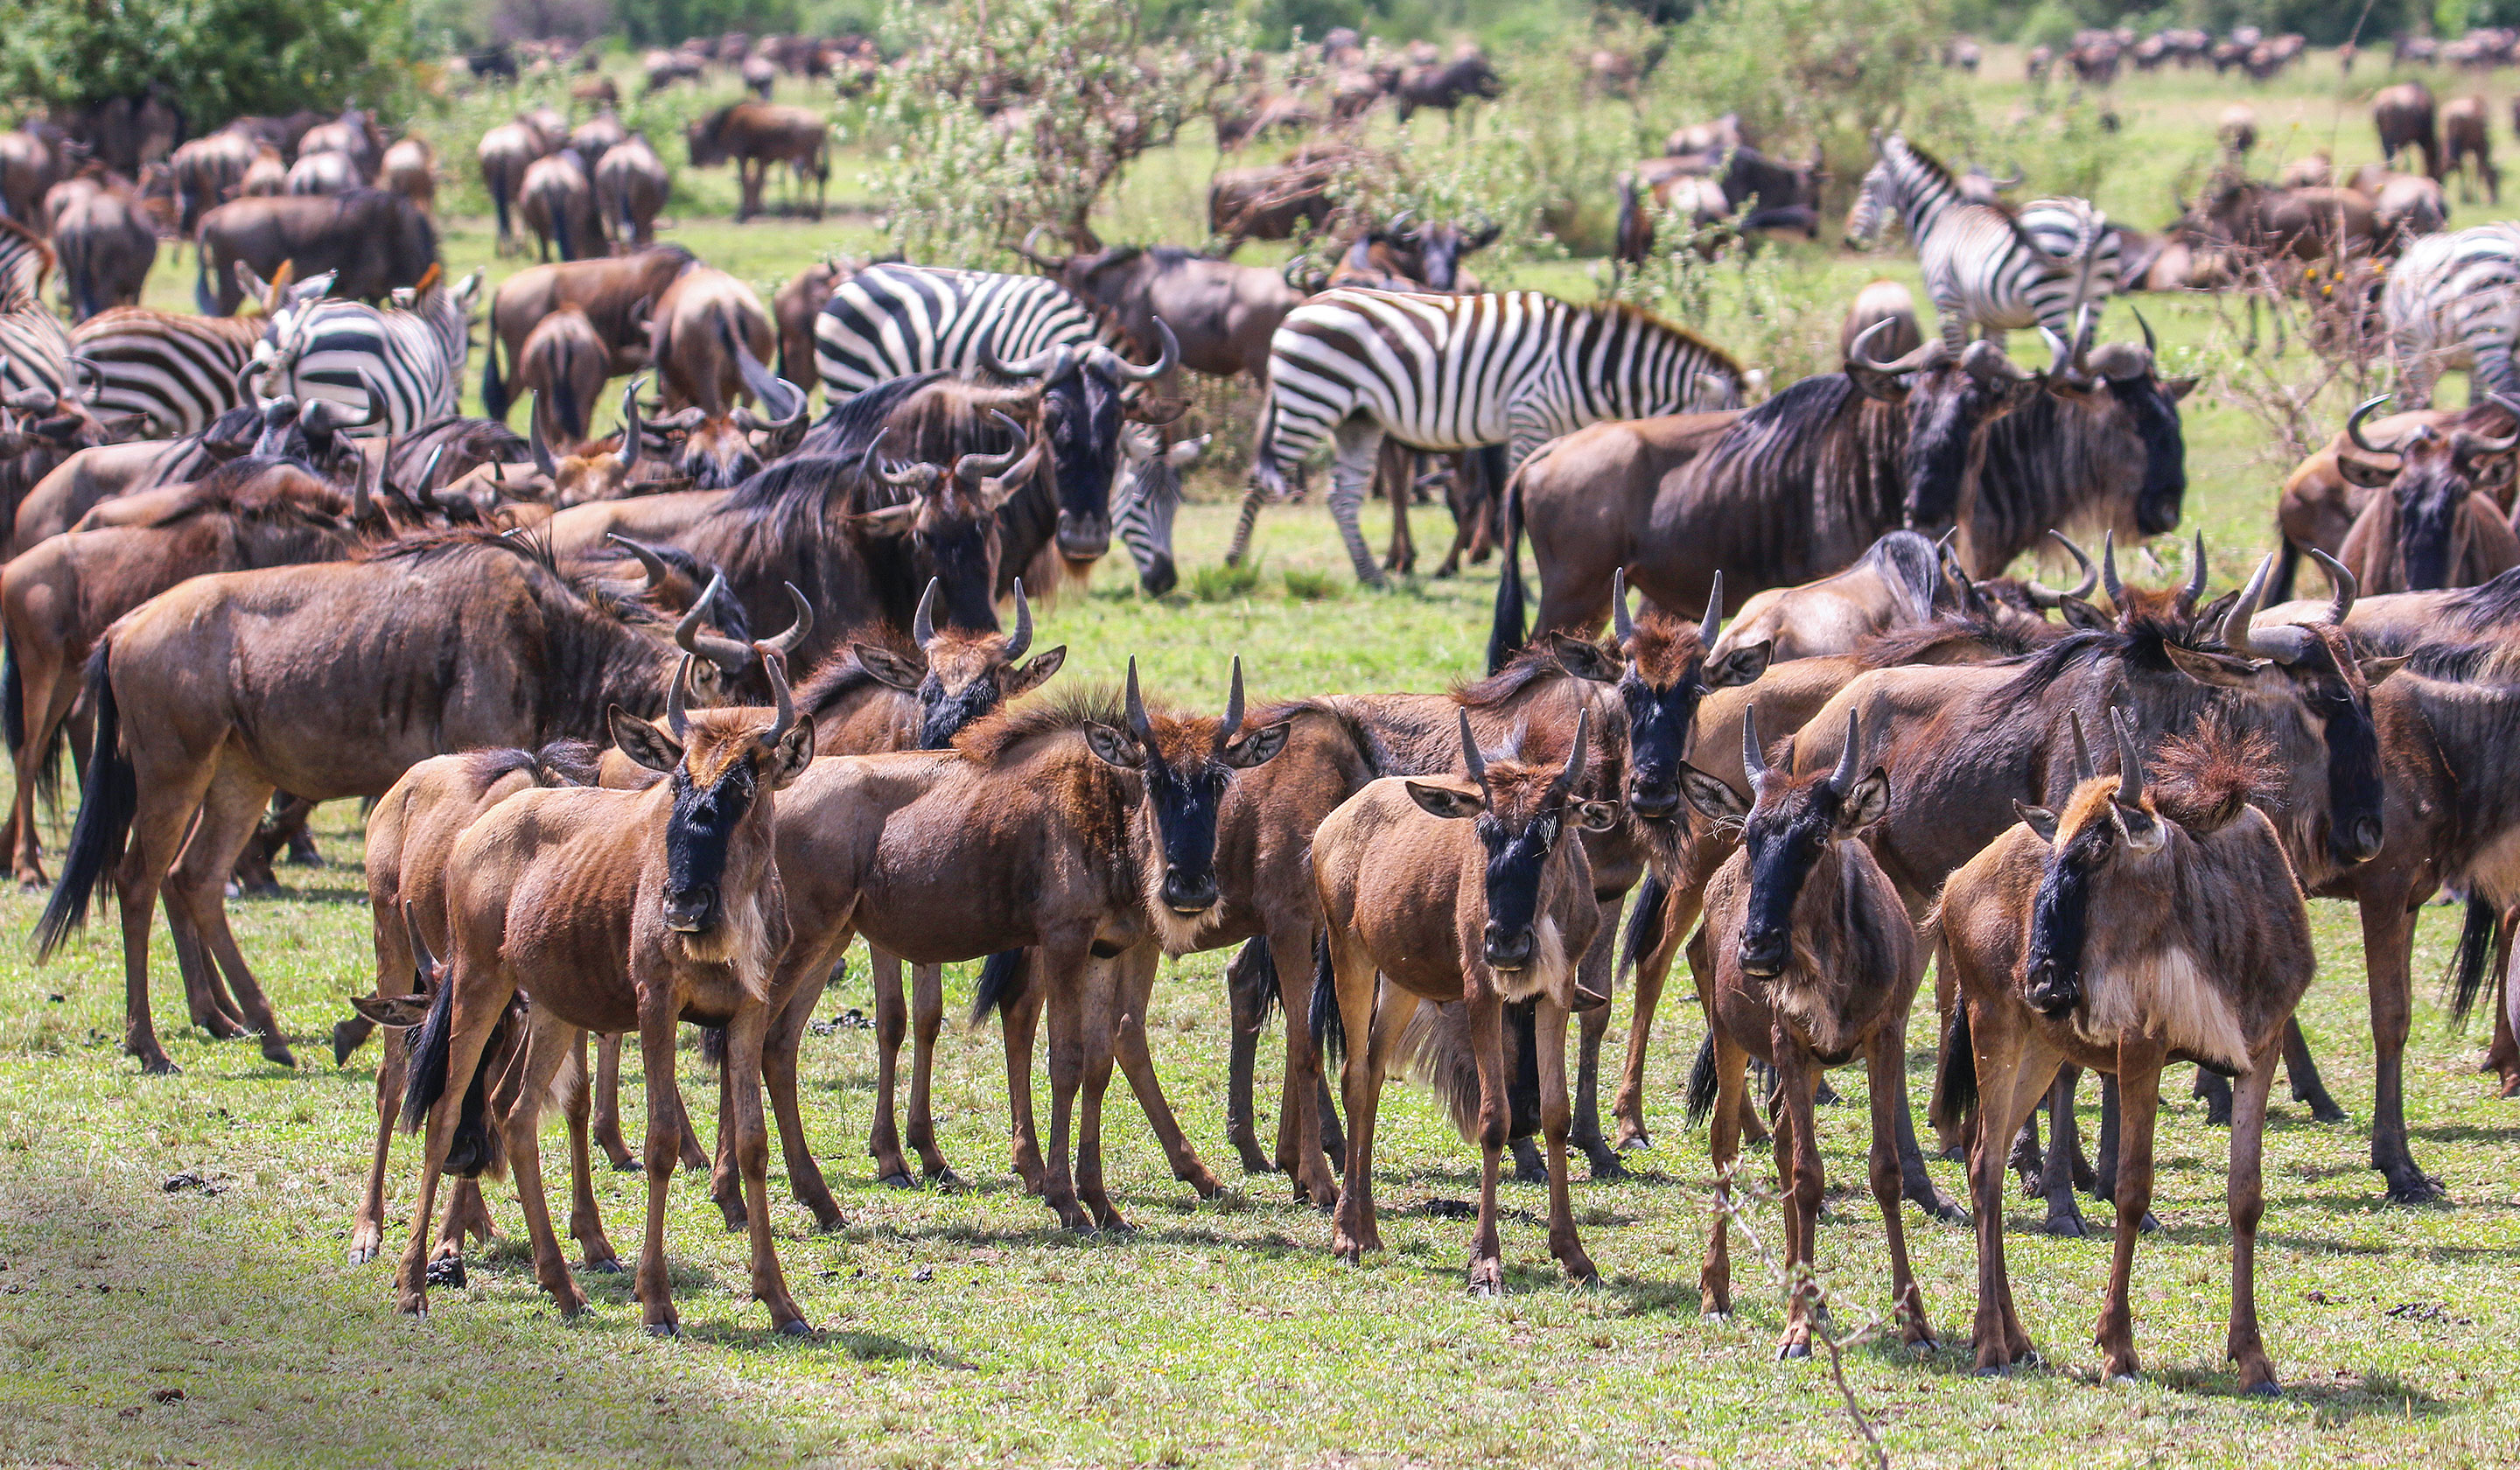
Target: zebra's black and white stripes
x=2453 y=301
x=34 y=350
x=1984 y=268
x=1451 y=372
x=891 y=320
x=176 y=371
x=411 y=355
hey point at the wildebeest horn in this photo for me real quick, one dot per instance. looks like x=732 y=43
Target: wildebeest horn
x=775 y=664
x=2480 y=444
x=2354 y=424
x=1136 y=706
x=729 y=655
x=420 y=952
x=2284 y=644
x=1754 y=763
x=1860 y=354
x=1022 y=640
x=799 y=629
x=2048 y=596
x=630 y=422
x=908 y=477
x=1575 y=755
x=2343 y=587
x=1620 y=622
x=2109 y=572
x=922 y=623
x=1471 y=761
x=1231 y=724
x=979 y=466
x=1027 y=250
x=2130 y=757
x=658 y=574
x=32 y=400
x=783 y=400
x=675 y=719
x=2196 y=588
x=428 y=472
x=543 y=460
x=2084 y=770
x=2150 y=343
x=1034 y=365
x=1164 y=361
x=1842 y=779
x=1713 y=622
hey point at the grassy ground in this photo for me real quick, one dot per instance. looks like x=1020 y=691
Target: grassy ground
x=219 y=1324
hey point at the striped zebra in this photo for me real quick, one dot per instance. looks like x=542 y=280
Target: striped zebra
x=1985 y=268
x=176 y=371
x=1145 y=497
x=2453 y=301
x=1443 y=372
x=34 y=350
x=410 y=354
x=891 y=320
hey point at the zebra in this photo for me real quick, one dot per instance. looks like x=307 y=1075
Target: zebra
x=177 y=372
x=2453 y=301
x=1145 y=495
x=1445 y=373
x=411 y=354
x=1983 y=267
x=34 y=350
x=892 y=320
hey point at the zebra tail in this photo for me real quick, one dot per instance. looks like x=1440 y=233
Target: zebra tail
x=1505 y=636
x=494 y=393
x=498 y=200
x=1264 y=454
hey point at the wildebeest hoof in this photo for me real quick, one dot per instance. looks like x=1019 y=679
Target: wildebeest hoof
x=628 y=1166
x=664 y=1329
x=899 y=1181
x=159 y=1065
x=2123 y=1380
x=2266 y=1389
x=1485 y=1287
x=2422 y=1189
x=2328 y=1112
x=797 y=1327
x=448 y=1271
x=1636 y=1142
x=1991 y=1370
x=944 y=1179
x=361 y=1255
x=274 y=1050
x=2149 y=1225
x=1606 y=1165
x=2068 y=1227
x=610 y=1265
x=1793 y=1349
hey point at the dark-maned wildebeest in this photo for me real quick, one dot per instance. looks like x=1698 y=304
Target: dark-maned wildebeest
x=410 y=169
x=618 y=296
x=371 y=241
x=2428 y=526
x=756 y=135
x=2404 y=118
x=707 y=338
x=28 y=167
x=2326 y=492
x=2304 y=224
x=630 y=189
x=2467 y=149
x=1447 y=86
x=504 y=153
x=1806 y=961
x=558 y=201
x=106 y=244
x=1461 y=890
x=564 y=365
x=596 y=136
x=331 y=681
x=1221 y=313
x=1275 y=200
x=620 y=911
x=2119 y=931
x=1883 y=301
x=208 y=172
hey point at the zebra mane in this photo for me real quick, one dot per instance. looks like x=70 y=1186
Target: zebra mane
x=1638 y=314
x=1931 y=164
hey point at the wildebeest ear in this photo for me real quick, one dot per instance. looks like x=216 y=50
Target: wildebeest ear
x=1034 y=673
x=1445 y=801
x=2143 y=831
x=1882 y=387
x=2376 y=669
x=2220 y=670
x=2083 y=616
x=1712 y=795
x=1256 y=747
x=2179 y=387
x=1584 y=660
x=889 y=668
x=2039 y=820
x=2363 y=473
x=397 y=1012
x=1596 y=816
x=1743 y=665
x=1867 y=804
x=2211 y=617
x=794 y=753
x=641 y=741
x=1113 y=748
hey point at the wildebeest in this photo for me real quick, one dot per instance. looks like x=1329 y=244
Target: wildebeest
x=504 y=153
x=106 y=244
x=564 y=363
x=354 y=136
x=1221 y=313
x=320 y=173
x=2237 y=131
x=707 y=338
x=2124 y=929
x=1273 y=202
x=2404 y=116
x=2304 y=224
x=1806 y=960
x=2467 y=149
x=756 y=135
x=371 y=241
x=2430 y=527
x=619 y=295
x=410 y=169
x=208 y=172
x=266 y=177
x=28 y=167
x=1447 y=86
x=596 y=136
x=558 y=201
x=630 y=188
x=1895 y=583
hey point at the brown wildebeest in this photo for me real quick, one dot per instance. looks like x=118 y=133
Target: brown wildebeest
x=354 y=136
x=2431 y=527
x=2119 y=932
x=1492 y=912
x=331 y=680
x=104 y=243
x=2467 y=149
x=107 y=470
x=793 y=309
x=410 y=169
x=564 y=365
x=1806 y=960
x=596 y=136
x=1444 y=87
x=372 y=240
x=504 y=153
x=266 y=177
x=1895 y=584
x=558 y=201
x=2326 y=492
x=28 y=167
x=1271 y=202
x=1221 y=313
x=618 y=295
x=620 y=911
x=594 y=470
x=707 y=338
x=2304 y=224
x=1259 y=115
x=756 y=135
x=2237 y=130
x=599 y=89
x=1879 y=302
x=208 y=172
x=2404 y=116
x=320 y=173
x=630 y=189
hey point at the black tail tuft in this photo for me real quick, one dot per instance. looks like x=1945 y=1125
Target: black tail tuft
x=2287 y=565
x=494 y=391
x=1645 y=923
x=475 y=1148
x=2474 y=957
x=1329 y=1027
x=1522 y=1069
x=1505 y=638
x=1253 y=978
x=205 y=300
x=12 y=695
x=106 y=809
x=425 y=1080
x=1956 y=1094
x=1702 y=1089
x=1003 y=978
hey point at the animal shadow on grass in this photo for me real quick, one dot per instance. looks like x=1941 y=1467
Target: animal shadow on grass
x=2466 y=1132
x=2335 y=1398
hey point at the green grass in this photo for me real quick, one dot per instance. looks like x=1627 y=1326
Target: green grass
x=962 y=1329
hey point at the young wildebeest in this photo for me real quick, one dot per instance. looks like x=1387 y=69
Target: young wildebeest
x=1807 y=958
x=2433 y=527
x=1493 y=912
x=2120 y=933
x=620 y=911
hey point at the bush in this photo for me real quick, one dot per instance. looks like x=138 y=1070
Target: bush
x=213 y=59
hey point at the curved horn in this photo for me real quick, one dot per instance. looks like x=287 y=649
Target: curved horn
x=543 y=460
x=1713 y=622
x=1620 y=622
x=2479 y=444
x=1022 y=641
x=799 y=629
x=2195 y=585
x=1575 y=754
x=1231 y=724
x=658 y=573
x=2048 y=596
x=922 y=623
x=1859 y=354
x=2282 y=645
x=1842 y=779
x=1030 y=366
x=629 y=454
x=775 y=664
x=1136 y=707
x=2130 y=757
x=2342 y=581
x=2084 y=770
x=2150 y=343
x=979 y=466
x=2109 y=572
x=783 y=400
x=428 y=472
x=675 y=719
x=729 y=655
x=1471 y=758
x=2354 y=424
x=1054 y=266
x=420 y=954
x=1165 y=361
x=908 y=477
x=1754 y=763
x=1987 y=362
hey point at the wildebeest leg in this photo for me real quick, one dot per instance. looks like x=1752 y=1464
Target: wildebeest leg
x=2306 y=1084
x=1132 y=981
x=2139 y=1098
x=2012 y=1072
x=1357 y=444
x=1549 y=1028
x=726 y=1169
x=745 y=1038
x=1883 y=1054
x=156 y=830
x=1487 y=1049
x=1628 y=1104
x=207 y=1001
x=926 y=1019
x=230 y=809
x=2503 y=1057
x=1243 y=1000
x=1592 y=973
x=1020 y=1022
x=1354 y=1229
x=366 y=1225
x=660 y=1029
x=608 y=1102
x=891 y=1027
x=805 y=1182
x=1724 y=1152
x=2064 y=1217
x=2245 y=1196
x=1304 y=1100
x=469 y=1028
x=1071 y=1034
x=1396 y=470
x=548 y=1041
x=1799 y=1182
x=585 y=1222
x=2388 y=938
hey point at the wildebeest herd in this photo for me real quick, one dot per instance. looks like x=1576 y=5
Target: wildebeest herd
x=658 y=723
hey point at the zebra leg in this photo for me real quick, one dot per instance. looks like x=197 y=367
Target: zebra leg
x=1253 y=496
x=1360 y=442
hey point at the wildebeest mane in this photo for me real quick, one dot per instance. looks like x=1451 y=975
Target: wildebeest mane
x=2141 y=640
x=852 y=422
x=1378 y=760
x=1914 y=642
x=992 y=737
x=2489 y=606
x=1529 y=667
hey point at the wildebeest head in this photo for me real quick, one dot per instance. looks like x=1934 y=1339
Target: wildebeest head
x=1787 y=824
x=718 y=764
x=1662 y=672
x=1183 y=764
x=950 y=519
x=2122 y=382
x=2432 y=476
x=1429 y=253
x=1520 y=812
x=706 y=137
x=1080 y=414
x=2105 y=824
x=592 y=473
x=1949 y=402
x=960 y=676
x=722 y=452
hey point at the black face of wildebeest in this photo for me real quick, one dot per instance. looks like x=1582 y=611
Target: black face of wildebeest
x=1081 y=414
x=1661 y=679
x=714 y=784
x=1789 y=826
x=1185 y=778
x=2100 y=824
x=704 y=818
x=1518 y=826
x=2151 y=407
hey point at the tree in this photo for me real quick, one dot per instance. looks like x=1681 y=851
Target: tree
x=213 y=59
x=1017 y=114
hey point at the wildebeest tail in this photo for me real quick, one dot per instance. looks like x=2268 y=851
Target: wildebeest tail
x=1505 y=636
x=1003 y=978
x=1435 y=1050
x=78 y=277
x=2474 y=957
x=1253 y=977
x=475 y=1148
x=494 y=393
x=1645 y=922
x=1329 y=1027
x=106 y=805
x=2287 y=565
x=499 y=198
x=204 y=299
x=12 y=695
x=1703 y=1083
x=1955 y=1090
x=425 y=1079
